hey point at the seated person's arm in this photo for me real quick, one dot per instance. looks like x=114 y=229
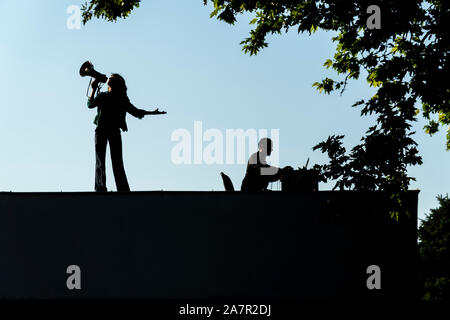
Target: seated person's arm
x=270 y=173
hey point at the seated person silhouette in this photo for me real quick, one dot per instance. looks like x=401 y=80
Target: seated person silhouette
x=259 y=173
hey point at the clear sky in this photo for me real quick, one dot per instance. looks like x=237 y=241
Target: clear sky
x=175 y=57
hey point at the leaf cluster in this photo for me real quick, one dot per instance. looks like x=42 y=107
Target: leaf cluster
x=110 y=10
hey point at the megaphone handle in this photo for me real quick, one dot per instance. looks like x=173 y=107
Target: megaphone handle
x=87 y=90
x=96 y=90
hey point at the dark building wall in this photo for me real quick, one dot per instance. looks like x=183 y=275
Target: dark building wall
x=204 y=245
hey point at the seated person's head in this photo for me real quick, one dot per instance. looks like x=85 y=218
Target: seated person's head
x=265 y=146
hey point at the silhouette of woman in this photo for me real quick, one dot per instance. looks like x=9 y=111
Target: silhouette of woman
x=112 y=107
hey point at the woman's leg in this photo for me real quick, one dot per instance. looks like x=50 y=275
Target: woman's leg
x=100 y=155
x=115 y=146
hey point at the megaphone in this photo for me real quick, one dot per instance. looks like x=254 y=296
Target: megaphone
x=87 y=69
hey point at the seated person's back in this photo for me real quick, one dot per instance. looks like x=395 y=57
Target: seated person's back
x=259 y=173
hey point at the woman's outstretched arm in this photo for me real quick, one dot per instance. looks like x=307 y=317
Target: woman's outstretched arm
x=140 y=113
x=156 y=111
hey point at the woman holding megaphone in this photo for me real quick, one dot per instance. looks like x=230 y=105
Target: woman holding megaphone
x=112 y=107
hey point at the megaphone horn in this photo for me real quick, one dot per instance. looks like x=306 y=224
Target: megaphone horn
x=87 y=69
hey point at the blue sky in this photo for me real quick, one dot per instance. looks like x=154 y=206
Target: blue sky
x=175 y=57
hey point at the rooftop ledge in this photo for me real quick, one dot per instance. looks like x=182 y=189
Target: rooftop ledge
x=205 y=244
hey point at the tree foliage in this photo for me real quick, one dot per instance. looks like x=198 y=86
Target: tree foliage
x=110 y=10
x=406 y=60
x=434 y=253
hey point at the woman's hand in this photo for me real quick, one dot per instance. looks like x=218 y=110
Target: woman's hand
x=158 y=112
x=94 y=84
x=143 y=113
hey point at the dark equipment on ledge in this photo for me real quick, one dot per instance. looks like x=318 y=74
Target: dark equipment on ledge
x=301 y=180
x=227 y=183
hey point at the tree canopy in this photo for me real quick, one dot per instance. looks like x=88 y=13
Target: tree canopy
x=111 y=10
x=406 y=61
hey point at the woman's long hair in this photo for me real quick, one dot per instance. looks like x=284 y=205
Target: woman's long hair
x=118 y=86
